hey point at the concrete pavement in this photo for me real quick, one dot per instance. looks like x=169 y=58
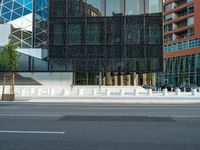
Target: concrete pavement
x=111 y=99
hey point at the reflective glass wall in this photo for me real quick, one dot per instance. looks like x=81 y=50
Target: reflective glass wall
x=40 y=23
x=29 y=21
x=105 y=35
x=94 y=8
x=19 y=14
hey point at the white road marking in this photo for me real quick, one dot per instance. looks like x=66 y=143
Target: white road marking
x=109 y=108
x=5 y=108
x=30 y=132
x=185 y=116
x=29 y=115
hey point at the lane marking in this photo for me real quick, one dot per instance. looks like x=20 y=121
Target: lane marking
x=29 y=115
x=31 y=132
x=185 y=116
x=110 y=108
x=5 y=108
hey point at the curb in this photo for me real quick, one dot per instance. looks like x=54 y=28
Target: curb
x=108 y=100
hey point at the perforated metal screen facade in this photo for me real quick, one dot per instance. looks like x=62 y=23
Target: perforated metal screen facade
x=84 y=37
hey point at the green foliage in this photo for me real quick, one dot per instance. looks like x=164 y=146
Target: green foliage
x=9 y=57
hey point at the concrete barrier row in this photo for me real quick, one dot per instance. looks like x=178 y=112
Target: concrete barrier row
x=94 y=92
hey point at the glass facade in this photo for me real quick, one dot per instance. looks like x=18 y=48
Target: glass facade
x=40 y=23
x=29 y=26
x=29 y=21
x=105 y=35
x=182 y=45
x=181 y=70
x=19 y=14
x=87 y=35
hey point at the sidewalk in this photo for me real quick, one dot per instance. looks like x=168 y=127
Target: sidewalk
x=110 y=100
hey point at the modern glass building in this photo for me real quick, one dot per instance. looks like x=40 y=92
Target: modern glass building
x=112 y=38
x=181 y=42
x=114 y=42
x=28 y=20
x=25 y=22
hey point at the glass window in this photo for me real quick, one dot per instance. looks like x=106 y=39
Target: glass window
x=76 y=8
x=96 y=7
x=198 y=42
x=168 y=17
x=134 y=7
x=114 y=7
x=153 y=31
x=190 y=32
x=114 y=31
x=135 y=31
x=168 y=37
x=153 y=6
x=59 y=34
x=94 y=32
x=168 y=27
x=58 y=8
x=168 y=7
x=190 y=9
x=198 y=62
x=74 y=32
x=190 y=21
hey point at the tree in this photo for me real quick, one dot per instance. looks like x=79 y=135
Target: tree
x=9 y=60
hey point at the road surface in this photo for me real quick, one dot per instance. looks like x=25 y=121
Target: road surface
x=26 y=126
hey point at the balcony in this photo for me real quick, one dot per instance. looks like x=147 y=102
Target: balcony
x=179 y=8
x=178 y=30
x=180 y=2
x=178 y=19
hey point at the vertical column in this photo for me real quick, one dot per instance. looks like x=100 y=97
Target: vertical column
x=135 y=79
x=87 y=78
x=128 y=79
x=132 y=78
x=144 y=76
x=116 y=79
x=104 y=80
x=108 y=78
x=122 y=80
x=154 y=79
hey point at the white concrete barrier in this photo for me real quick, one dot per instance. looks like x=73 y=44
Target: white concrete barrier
x=66 y=92
x=37 y=91
x=194 y=92
x=80 y=92
x=23 y=92
x=122 y=93
x=107 y=92
x=178 y=91
x=135 y=92
x=165 y=92
x=149 y=92
x=52 y=92
x=33 y=92
x=94 y=92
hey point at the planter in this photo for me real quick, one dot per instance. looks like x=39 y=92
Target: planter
x=8 y=97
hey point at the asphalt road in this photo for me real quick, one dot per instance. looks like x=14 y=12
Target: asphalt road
x=99 y=127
